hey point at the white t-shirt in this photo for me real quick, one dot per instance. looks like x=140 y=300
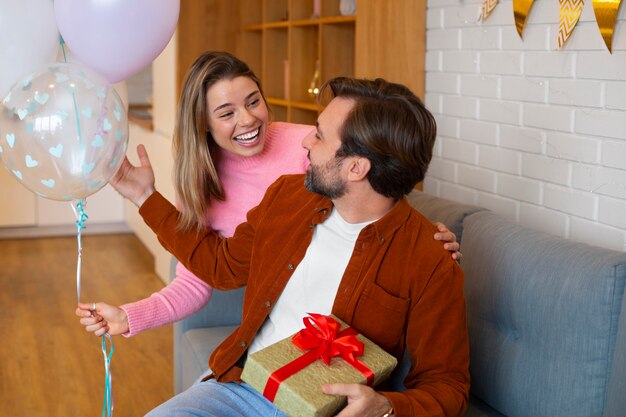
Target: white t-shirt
x=314 y=283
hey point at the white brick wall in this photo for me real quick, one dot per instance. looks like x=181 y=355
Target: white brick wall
x=531 y=132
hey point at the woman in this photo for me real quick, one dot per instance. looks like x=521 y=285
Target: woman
x=226 y=154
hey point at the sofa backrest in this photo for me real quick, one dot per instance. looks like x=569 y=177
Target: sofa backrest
x=544 y=317
x=438 y=209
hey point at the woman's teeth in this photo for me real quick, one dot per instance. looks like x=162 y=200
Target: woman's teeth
x=247 y=137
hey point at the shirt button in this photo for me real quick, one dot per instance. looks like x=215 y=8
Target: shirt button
x=243 y=343
x=382 y=240
x=268 y=304
x=310 y=226
x=290 y=267
x=324 y=211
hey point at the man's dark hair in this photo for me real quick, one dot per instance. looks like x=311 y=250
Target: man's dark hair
x=390 y=127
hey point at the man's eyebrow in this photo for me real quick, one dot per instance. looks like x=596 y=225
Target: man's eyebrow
x=317 y=127
x=230 y=104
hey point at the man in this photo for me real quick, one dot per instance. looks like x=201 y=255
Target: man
x=346 y=242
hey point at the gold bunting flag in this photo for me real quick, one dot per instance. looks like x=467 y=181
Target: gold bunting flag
x=488 y=6
x=569 y=12
x=606 y=13
x=521 y=8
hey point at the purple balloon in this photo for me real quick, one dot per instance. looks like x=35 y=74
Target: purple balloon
x=116 y=38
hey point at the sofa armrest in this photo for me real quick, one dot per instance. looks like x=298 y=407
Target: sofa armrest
x=616 y=399
x=546 y=321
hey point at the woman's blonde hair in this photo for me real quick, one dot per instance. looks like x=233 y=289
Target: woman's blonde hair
x=196 y=181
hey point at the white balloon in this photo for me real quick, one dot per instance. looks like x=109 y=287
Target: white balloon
x=30 y=38
x=65 y=55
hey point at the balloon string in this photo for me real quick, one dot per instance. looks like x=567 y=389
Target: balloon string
x=107 y=403
x=62 y=42
x=80 y=135
x=81 y=218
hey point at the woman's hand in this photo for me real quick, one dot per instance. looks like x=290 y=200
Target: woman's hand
x=101 y=318
x=135 y=183
x=449 y=240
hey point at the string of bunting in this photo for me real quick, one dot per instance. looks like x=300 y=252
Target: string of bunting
x=569 y=14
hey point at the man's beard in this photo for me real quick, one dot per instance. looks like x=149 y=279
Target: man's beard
x=326 y=180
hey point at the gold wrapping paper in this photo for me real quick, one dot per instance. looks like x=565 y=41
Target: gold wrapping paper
x=569 y=13
x=606 y=14
x=301 y=394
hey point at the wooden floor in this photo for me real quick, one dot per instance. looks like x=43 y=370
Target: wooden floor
x=49 y=365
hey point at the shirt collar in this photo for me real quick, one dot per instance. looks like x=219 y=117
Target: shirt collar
x=392 y=220
x=383 y=227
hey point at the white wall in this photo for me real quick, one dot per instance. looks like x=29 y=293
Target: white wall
x=140 y=87
x=158 y=145
x=531 y=132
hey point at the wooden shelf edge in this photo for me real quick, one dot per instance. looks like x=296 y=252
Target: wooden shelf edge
x=141 y=115
x=302 y=22
x=295 y=104
x=323 y=20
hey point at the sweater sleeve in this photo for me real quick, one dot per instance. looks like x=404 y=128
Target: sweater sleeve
x=182 y=297
x=223 y=263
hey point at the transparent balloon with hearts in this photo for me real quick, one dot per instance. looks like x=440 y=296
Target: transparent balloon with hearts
x=63 y=131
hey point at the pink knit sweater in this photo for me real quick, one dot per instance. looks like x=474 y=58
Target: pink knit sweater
x=245 y=181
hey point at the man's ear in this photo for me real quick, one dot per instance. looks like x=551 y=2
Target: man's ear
x=359 y=167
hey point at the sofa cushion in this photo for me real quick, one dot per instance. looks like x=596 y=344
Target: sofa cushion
x=543 y=315
x=224 y=309
x=438 y=209
x=196 y=347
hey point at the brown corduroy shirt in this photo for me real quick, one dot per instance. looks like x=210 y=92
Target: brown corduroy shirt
x=401 y=289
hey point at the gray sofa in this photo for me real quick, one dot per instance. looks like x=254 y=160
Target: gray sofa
x=546 y=320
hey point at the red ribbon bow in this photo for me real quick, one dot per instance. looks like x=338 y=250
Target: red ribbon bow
x=322 y=339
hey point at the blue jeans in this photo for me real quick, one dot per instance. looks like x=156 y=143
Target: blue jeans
x=217 y=399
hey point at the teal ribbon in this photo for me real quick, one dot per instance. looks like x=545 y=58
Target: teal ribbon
x=81 y=218
x=80 y=135
x=62 y=42
x=107 y=403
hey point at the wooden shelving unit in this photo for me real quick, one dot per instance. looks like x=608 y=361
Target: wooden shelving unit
x=282 y=40
x=286 y=42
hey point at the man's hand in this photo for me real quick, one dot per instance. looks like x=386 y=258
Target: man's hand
x=135 y=183
x=450 y=244
x=363 y=401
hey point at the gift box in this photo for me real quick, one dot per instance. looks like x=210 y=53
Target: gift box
x=291 y=373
